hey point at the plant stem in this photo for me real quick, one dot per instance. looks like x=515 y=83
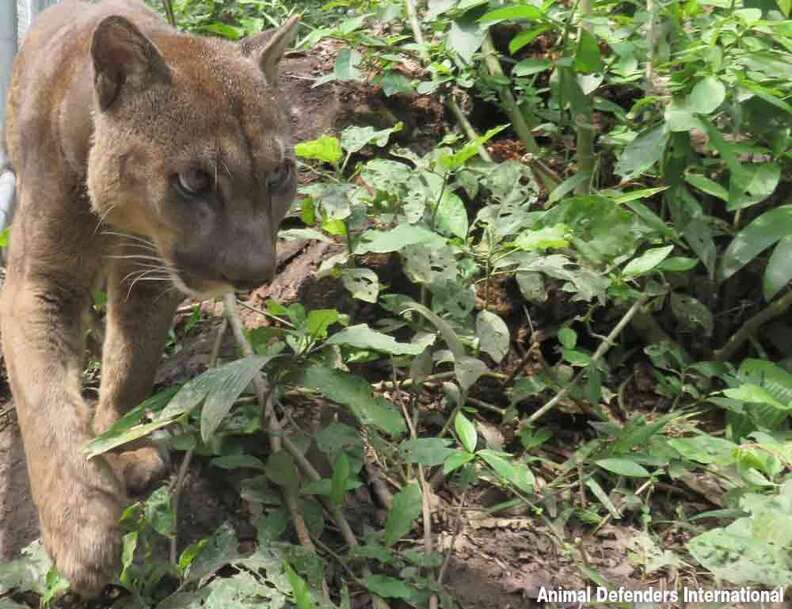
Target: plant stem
x=774 y=309
x=603 y=348
x=470 y=132
x=510 y=105
x=584 y=123
x=168 y=6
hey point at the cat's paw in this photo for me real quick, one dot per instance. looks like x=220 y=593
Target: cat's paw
x=140 y=468
x=79 y=523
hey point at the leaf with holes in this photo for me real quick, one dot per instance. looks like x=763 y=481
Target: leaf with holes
x=363 y=284
x=430 y=265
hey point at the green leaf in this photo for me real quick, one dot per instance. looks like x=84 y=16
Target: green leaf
x=705 y=449
x=514 y=472
x=468 y=151
x=493 y=335
x=468 y=370
x=764 y=231
x=515 y=12
x=238 y=461
x=300 y=591
x=778 y=273
x=526 y=37
x=646 y=261
x=706 y=96
x=355 y=392
x=388 y=587
x=451 y=216
x=528 y=67
x=457 y=460
x=346 y=65
x=319 y=320
x=228 y=382
x=406 y=507
x=425 y=451
x=354 y=138
x=465 y=38
x=363 y=284
x=281 y=470
x=692 y=314
x=549 y=237
x=466 y=432
x=363 y=337
x=326 y=148
x=624 y=467
x=704 y=184
x=567 y=337
x=643 y=152
x=338 y=484
x=587 y=55
x=396 y=239
x=755 y=394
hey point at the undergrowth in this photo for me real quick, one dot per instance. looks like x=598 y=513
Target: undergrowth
x=595 y=321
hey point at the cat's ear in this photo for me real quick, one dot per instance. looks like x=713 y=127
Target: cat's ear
x=267 y=48
x=124 y=59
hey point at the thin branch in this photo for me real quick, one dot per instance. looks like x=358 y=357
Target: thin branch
x=603 y=348
x=749 y=328
x=168 y=6
x=175 y=500
x=469 y=130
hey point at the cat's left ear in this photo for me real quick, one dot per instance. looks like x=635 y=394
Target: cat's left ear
x=267 y=48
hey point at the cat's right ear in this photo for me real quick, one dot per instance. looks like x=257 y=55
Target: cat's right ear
x=124 y=60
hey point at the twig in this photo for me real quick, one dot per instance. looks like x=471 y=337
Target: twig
x=603 y=348
x=381 y=490
x=168 y=6
x=469 y=130
x=412 y=15
x=774 y=309
x=175 y=499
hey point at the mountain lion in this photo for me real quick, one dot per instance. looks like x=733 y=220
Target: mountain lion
x=159 y=162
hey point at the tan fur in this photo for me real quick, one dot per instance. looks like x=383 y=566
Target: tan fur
x=108 y=107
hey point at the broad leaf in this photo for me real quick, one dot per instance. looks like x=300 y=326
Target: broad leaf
x=493 y=335
x=228 y=382
x=406 y=507
x=466 y=432
x=624 y=467
x=355 y=392
x=363 y=337
x=767 y=229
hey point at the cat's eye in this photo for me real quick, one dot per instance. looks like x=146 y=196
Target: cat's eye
x=193 y=182
x=281 y=176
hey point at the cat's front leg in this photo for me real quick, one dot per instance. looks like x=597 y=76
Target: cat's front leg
x=141 y=302
x=79 y=501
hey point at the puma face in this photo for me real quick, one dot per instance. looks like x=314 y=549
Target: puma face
x=192 y=150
